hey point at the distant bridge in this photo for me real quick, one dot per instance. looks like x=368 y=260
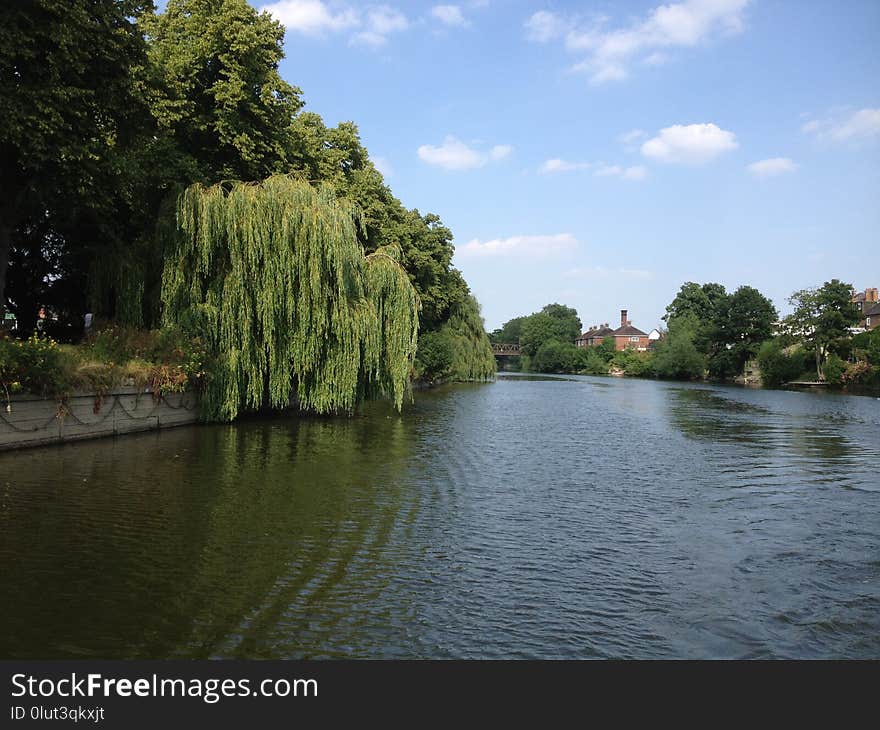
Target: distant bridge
x=506 y=349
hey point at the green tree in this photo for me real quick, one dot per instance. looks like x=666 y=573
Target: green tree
x=821 y=317
x=553 y=322
x=434 y=357
x=676 y=355
x=213 y=86
x=510 y=332
x=69 y=110
x=272 y=277
x=741 y=322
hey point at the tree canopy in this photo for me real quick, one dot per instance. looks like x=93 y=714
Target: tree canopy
x=135 y=107
x=821 y=317
x=272 y=277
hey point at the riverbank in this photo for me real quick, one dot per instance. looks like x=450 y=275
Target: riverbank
x=28 y=420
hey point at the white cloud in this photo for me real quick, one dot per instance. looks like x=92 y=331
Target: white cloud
x=449 y=15
x=862 y=124
x=557 y=165
x=692 y=144
x=632 y=136
x=545 y=26
x=311 y=17
x=317 y=18
x=382 y=20
x=383 y=166
x=772 y=166
x=610 y=51
x=637 y=172
x=454 y=154
x=530 y=246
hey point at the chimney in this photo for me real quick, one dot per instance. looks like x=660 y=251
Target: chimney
x=623 y=320
x=871 y=294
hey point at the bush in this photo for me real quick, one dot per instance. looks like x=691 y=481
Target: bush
x=834 y=369
x=779 y=364
x=677 y=356
x=557 y=357
x=593 y=362
x=37 y=365
x=434 y=355
x=633 y=363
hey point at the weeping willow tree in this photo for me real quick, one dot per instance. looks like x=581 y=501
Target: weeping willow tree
x=271 y=276
x=472 y=357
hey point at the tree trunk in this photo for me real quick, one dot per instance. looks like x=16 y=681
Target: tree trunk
x=819 y=358
x=5 y=244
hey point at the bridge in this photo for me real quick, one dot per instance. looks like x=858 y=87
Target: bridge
x=506 y=349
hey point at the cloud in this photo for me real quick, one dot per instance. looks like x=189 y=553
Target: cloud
x=609 y=52
x=772 y=166
x=545 y=26
x=632 y=136
x=454 y=154
x=382 y=20
x=692 y=144
x=636 y=172
x=449 y=15
x=317 y=18
x=529 y=246
x=557 y=165
x=311 y=17
x=862 y=124
x=383 y=166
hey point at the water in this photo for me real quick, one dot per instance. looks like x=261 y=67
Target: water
x=535 y=517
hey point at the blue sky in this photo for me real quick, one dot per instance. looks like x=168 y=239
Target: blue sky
x=599 y=154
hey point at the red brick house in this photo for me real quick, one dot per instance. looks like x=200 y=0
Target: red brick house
x=625 y=336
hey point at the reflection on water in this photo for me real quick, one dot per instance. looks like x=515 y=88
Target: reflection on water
x=565 y=517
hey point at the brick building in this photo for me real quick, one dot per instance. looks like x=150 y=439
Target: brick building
x=625 y=336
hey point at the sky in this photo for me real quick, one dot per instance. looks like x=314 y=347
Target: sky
x=600 y=154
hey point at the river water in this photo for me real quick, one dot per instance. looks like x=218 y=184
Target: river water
x=569 y=517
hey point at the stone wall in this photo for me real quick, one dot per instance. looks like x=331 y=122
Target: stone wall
x=31 y=421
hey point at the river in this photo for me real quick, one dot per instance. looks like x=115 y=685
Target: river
x=561 y=517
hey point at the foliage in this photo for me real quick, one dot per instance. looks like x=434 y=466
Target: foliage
x=593 y=362
x=69 y=110
x=434 y=355
x=553 y=322
x=677 y=356
x=37 y=365
x=834 y=369
x=41 y=366
x=509 y=333
x=554 y=356
x=606 y=349
x=821 y=317
x=213 y=87
x=472 y=358
x=272 y=275
x=780 y=364
x=633 y=363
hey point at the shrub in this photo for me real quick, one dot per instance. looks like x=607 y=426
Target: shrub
x=677 y=356
x=834 y=369
x=779 y=364
x=434 y=355
x=37 y=365
x=594 y=363
x=633 y=363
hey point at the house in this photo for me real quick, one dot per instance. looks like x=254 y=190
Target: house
x=864 y=299
x=871 y=316
x=625 y=336
x=594 y=335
